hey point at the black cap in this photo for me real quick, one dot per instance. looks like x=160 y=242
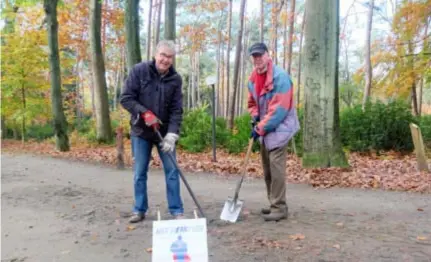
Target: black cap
x=257 y=48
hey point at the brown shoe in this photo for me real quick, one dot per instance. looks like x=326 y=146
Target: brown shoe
x=137 y=218
x=265 y=211
x=275 y=215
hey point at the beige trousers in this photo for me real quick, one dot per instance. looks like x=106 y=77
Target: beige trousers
x=274 y=171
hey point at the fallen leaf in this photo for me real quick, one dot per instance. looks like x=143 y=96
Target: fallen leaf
x=396 y=171
x=420 y=209
x=337 y=246
x=149 y=250
x=73 y=206
x=421 y=238
x=130 y=228
x=246 y=212
x=297 y=237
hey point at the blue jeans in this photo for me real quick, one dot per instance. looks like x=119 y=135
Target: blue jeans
x=142 y=153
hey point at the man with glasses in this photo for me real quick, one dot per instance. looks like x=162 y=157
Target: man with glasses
x=152 y=95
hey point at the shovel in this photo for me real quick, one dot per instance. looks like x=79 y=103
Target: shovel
x=232 y=207
x=182 y=177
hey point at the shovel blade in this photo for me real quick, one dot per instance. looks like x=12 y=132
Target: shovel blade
x=231 y=210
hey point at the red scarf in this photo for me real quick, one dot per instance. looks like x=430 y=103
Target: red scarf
x=261 y=81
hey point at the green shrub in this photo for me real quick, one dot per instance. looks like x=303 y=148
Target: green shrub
x=425 y=125
x=238 y=139
x=222 y=133
x=380 y=127
x=83 y=125
x=196 y=132
x=299 y=135
x=40 y=132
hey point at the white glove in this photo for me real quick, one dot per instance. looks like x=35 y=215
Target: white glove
x=168 y=143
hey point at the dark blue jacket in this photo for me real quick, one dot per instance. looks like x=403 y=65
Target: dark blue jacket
x=145 y=89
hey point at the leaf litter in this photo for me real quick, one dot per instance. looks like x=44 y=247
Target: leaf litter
x=390 y=171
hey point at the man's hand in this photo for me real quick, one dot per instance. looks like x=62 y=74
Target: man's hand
x=254 y=121
x=254 y=134
x=168 y=143
x=151 y=120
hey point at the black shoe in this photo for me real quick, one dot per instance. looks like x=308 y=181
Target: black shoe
x=265 y=211
x=275 y=215
x=136 y=218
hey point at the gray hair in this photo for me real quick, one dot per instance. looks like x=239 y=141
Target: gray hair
x=166 y=43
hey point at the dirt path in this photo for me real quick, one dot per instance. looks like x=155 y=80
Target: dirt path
x=57 y=210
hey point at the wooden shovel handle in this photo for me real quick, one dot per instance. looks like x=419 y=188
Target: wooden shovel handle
x=247 y=157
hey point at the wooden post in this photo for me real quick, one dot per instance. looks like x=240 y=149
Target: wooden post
x=120 y=148
x=419 y=147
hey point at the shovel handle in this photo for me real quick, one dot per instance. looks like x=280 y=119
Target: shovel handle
x=182 y=176
x=247 y=156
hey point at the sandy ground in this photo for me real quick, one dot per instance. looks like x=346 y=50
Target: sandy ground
x=58 y=210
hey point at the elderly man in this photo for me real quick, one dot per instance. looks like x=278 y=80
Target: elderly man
x=153 y=96
x=271 y=104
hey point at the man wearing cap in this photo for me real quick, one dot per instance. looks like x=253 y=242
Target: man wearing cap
x=271 y=104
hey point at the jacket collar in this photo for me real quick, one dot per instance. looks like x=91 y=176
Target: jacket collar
x=268 y=86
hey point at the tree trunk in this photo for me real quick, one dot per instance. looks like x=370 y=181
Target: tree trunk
x=78 y=91
x=411 y=65
x=192 y=79
x=322 y=143
x=262 y=19
x=298 y=97
x=229 y=35
x=222 y=83
x=285 y=43
x=150 y=12
x=120 y=148
x=103 y=122
x=60 y=124
x=197 y=70
x=291 y=20
x=103 y=26
x=157 y=25
x=93 y=100
x=237 y=63
x=24 y=106
x=188 y=92
x=368 y=67
x=277 y=6
x=132 y=33
x=170 y=7
x=425 y=50
x=3 y=127
x=220 y=95
x=244 y=68
x=119 y=80
x=217 y=85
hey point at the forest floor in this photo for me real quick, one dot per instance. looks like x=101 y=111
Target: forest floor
x=388 y=170
x=61 y=209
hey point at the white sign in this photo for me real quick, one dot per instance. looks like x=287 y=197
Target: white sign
x=211 y=80
x=182 y=240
